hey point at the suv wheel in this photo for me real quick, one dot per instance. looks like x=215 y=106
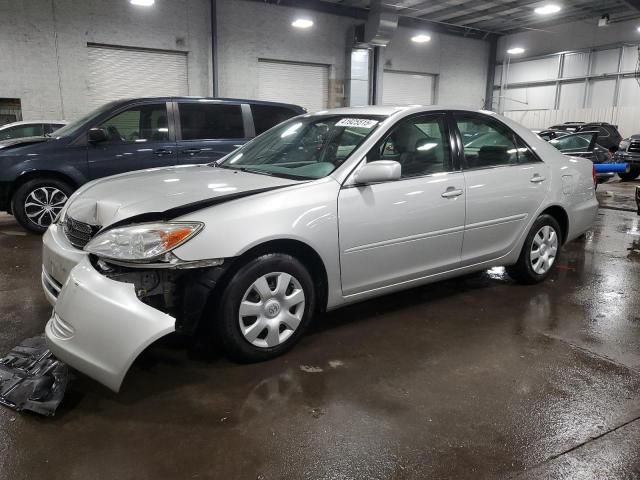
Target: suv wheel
x=265 y=308
x=630 y=175
x=539 y=253
x=37 y=203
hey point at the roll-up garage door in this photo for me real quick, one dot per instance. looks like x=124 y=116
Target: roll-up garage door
x=116 y=73
x=302 y=84
x=406 y=88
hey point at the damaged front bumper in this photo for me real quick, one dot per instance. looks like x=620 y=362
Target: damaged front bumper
x=99 y=326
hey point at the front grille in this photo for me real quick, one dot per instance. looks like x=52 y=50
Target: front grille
x=634 y=147
x=79 y=233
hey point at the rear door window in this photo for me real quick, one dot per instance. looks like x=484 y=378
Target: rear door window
x=211 y=121
x=267 y=116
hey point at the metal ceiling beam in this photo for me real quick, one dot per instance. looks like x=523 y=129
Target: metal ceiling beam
x=462 y=17
x=635 y=4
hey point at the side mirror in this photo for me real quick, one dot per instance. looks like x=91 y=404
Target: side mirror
x=378 y=171
x=97 y=135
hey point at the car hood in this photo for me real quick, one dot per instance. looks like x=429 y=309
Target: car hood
x=21 y=142
x=165 y=193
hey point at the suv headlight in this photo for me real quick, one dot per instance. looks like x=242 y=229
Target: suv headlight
x=624 y=144
x=143 y=242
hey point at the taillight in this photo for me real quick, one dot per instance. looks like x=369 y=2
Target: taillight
x=595 y=178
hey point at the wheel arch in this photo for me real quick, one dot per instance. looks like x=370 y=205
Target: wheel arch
x=34 y=174
x=561 y=216
x=298 y=249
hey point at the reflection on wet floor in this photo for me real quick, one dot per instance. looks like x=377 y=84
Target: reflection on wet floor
x=475 y=377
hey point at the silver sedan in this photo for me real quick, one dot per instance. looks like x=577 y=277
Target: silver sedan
x=324 y=210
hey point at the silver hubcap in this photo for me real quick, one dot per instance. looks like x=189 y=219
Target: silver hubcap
x=43 y=205
x=271 y=309
x=544 y=249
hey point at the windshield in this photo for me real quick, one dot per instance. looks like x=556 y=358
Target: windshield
x=73 y=127
x=304 y=147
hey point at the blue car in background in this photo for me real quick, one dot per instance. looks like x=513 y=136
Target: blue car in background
x=38 y=174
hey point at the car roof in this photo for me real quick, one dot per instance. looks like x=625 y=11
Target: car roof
x=30 y=122
x=205 y=99
x=387 y=110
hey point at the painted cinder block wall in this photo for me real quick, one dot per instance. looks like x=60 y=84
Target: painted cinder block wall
x=52 y=82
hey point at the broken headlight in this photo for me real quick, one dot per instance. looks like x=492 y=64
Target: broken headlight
x=144 y=242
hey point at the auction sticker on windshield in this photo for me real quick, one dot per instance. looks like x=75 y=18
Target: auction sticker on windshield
x=357 y=122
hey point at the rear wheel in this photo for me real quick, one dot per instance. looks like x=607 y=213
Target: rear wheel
x=630 y=175
x=539 y=253
x=37 y=203
x=265 y=308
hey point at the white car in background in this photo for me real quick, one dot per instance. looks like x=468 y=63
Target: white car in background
x=31 y=128
x=321 y=211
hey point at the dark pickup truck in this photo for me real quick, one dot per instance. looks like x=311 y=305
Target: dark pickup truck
x=38 y=174
x=629 y=152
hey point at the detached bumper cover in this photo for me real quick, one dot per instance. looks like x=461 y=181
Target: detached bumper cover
x=32 y=379
x=99 y=326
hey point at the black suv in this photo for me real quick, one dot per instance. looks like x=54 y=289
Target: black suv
x=608 y=135
x=38 y=174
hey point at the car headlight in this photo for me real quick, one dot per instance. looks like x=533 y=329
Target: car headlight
x=143 y=242
x=624 y=144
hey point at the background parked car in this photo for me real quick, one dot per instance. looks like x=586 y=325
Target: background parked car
x=584 y=145
x=550 y=134
x=608 y=135
x=629 y=152
x=38 y=175
x=33 y=128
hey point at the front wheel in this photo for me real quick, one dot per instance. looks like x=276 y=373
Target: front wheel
x=37 y=203
x=265 y=308
x=539 y=253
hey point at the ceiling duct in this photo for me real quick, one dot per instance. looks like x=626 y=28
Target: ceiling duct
x=380 y=26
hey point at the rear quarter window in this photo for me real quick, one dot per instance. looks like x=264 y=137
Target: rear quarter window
x=268 y=116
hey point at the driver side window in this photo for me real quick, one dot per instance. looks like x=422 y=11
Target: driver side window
x=420 y=144
x=144 y=123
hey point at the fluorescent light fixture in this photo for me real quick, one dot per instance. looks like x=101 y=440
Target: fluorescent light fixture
x=547 y=9
x=515 y=51
x=142 y=3
x=421 y=38
x=302 y=23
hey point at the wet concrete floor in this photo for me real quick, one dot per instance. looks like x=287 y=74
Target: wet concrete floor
x=470 y=378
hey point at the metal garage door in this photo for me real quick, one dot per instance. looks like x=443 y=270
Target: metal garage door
x=406 y=88
x=302 y=84
x=116 y=73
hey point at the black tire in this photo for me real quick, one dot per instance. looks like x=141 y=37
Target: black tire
x=630 y=175
x=522 y=271
x=226 y=329
x=24 y=212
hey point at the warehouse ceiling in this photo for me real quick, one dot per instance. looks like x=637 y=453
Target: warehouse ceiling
x=502 y=16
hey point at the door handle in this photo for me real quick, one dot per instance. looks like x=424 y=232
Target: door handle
x=191 y=151
x=537 y=179
x=451 y=192
x=162 y=151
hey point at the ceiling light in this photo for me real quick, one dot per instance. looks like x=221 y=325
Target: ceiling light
x=421 y=38
x=639 y=29
x=302 y=23
x=547 y=9
x=515 y=51
x=142 y=3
